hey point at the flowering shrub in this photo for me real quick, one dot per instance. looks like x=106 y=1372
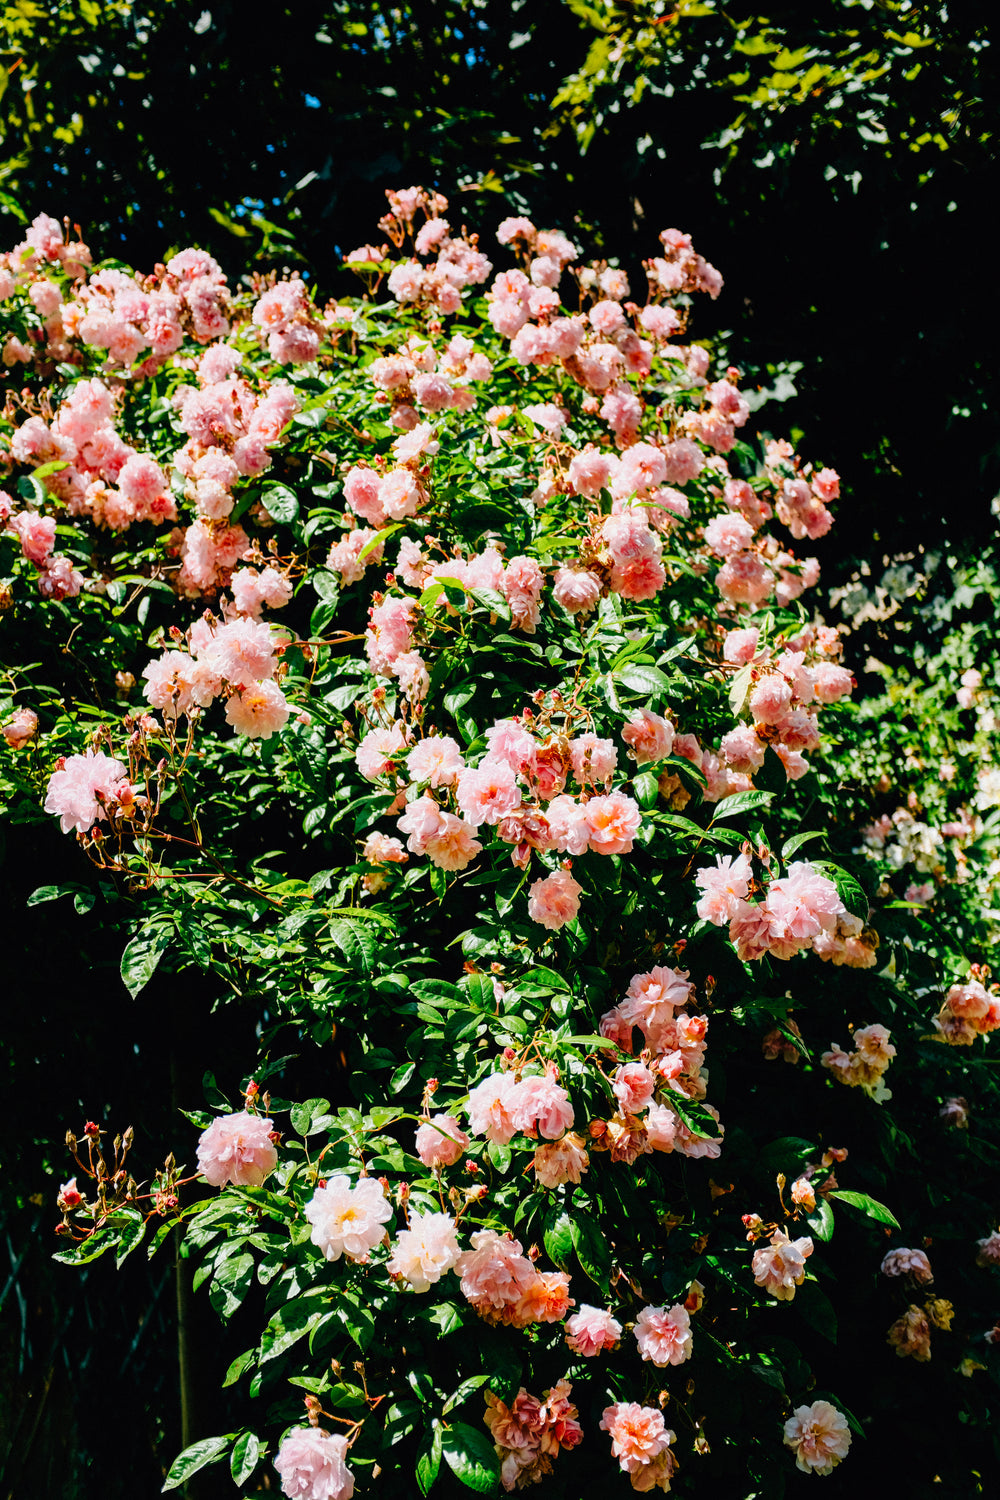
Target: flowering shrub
x=514 y=801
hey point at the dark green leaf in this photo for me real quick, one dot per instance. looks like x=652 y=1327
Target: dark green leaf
x=198 y=1456
x=472 y=1458
x=869 y=1206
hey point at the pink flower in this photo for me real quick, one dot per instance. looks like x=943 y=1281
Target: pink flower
x=487 y=793
x=593 y=759
x=560 y=1161
x=492 y=1106
x=440 y=1141
x=77 y=793
x=379 y=849
x=988 y=1250
x=361 y=493
x=435 y=760
x=576 y=589
x=545 y=1300
x=740 y=646
x=910 y=1335
x=237 y=1149
x=259 y=711
x=241 y=652
x=613 y=822
x=425 y=1251
x=819 y=1436
x=638 y=1433
x=591 y=1330
x=451 y=846
x=311 y=1465
x=728 y=534
x=37 y=535
x=555 y=900
x=347 y=1219
x=21 y=727
x=649 y=736
x=591 y=470
x=377 y=752
x=661 y=1128
x=908 y=1263
x=724 y=887
x=633 y=1086
x=541 y=1106
x=780 y=1267
x=495 y=1274
x=664 y=1335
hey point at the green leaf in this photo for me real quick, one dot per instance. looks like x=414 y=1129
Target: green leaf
x=789 y=847
x=640 y=678
x=429 y=1460
x=646 y=788
x=740 y=802
x=591 y=1249
x=474 y=1383
x=739 y=688
x=281 y=503
x=246 y=1456
x=559 y=1239
x=820 y=1221
x=198 y=1456
x=848 y=889
x=240 y=1364
x=817 y=1310
x=131 y=1235
x=304 y=1116
x=869 y=1206
x=472 y=1458
x=490 y=600
x=141 y=957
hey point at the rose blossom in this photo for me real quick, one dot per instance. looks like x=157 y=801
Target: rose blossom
x=491 y=1108
x=780 y=1267
x=664 y=1335
x=910 y=1335
x=633 y=1086
x=560 y=1161
x=237 y=1149
x=436 y=760
x=649 y=736
x=638 y=1433
x=555 y=900
x=495 y=1273
x=541 y=1106
x=819 y=1436
x=613 y=822
x=21 y=727
x=259 y=711
x=908 y=1263
x=592 y=1330
x=311 y=1464
x=347 y=1220
x=440 y=1141
x=425 y=1251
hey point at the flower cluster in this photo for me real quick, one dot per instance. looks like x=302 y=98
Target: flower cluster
x=530 y=1434
x=865 y=1066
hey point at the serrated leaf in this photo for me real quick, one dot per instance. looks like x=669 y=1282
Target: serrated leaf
x=471 y=1457
x=869 y=1206
x=198 y=1456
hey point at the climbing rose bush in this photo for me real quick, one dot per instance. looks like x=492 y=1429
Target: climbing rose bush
x=474 y=601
